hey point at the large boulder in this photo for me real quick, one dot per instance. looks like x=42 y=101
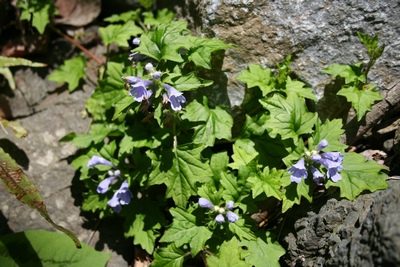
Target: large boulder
x=316 y=33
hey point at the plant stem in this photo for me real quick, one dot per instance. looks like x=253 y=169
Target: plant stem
x=69 y=39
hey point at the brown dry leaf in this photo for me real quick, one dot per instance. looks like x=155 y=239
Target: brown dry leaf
x=77 y=13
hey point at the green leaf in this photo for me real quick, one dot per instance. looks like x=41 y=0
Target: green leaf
x=268 y=182
x=163 y=16
x=18 y=184
x=123 y=106
x=45 y=248
x=184 y=230
x=241 y=230
x=350 y=73
x=17 y=61
x=243 y=153
x=212 y=123
x=298 y=87
x=171 y=256
x=164 y=42
x=179 y=169
x=202 y=50
x=288 y=117
x=18 y=130
x=191 y=82
x=41 y=12
x=330 y=131
x=119 y=34
x=125 y=17
x=294 y=192
x=70 y=72
x=361 y=100
x=143 y=219
x=261 y=253
x=372 y=45
x=358 y=176
x=228 y=255
x=256 y=76
x=147 y=3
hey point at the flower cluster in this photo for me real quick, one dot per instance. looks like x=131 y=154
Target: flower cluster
x=332 y=161
x=139 y=88
x=123 y=195
x=230 y=215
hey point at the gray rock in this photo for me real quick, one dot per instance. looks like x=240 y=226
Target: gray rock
x=365 y=232
x=317 y=34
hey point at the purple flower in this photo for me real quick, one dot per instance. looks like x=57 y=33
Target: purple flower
x=139 y=90
x=220 y=218
x=121 y=197
x=317 y=175
x=103 y=185
x=205 y=203
x=131 y=80
x=156 y=75
x=299 y=171
x=96 y=160
x=322 y=144
x=334 y=175
x=333 y=162
x=114 y=203
x=329 y=159
x=175 y=97
x=232 y=217
x=136 y=41
x=229 y=205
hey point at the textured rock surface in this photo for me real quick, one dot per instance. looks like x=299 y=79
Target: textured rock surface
x=48 y=113
x=316 y=32
x=365 y=232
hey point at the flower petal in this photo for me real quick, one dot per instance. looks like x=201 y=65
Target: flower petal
x=96 y=160
x=298 y=171
x=205 y=203
x=103 y=185
x=114 y=203
x=322 y=144
x=232 y=217
x=229 y=205
x=219 y=218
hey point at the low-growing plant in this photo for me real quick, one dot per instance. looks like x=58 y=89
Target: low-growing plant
x=170 y=166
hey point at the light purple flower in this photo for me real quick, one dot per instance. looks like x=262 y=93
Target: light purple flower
x=121 y=197
x=299 y=171
x=232 y=217
x=156 y=75
x=329 y=159
x=131 y=80
x=219 y=218
x=334 y=175
x=96 y=160
x=114 y=203
x=205 y=203
x=317 y=175
x=229 y=205
x=322 y=144
x=174 y=97
x=103 y=185
x=124 y=194
x=136 y=41
x=139 y=90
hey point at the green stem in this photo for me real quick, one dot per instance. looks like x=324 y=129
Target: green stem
x=175 y=144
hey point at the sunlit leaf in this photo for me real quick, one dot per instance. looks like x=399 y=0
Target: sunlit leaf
x=45 y=248
x=70 y=72
x=358 y=176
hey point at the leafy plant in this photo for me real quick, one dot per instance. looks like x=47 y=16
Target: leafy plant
x=356 y=89
x=37 y=12
x=45 y=248
x=171 y=167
